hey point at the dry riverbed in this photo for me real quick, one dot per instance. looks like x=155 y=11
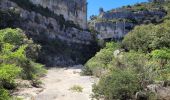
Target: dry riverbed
x=58 y=84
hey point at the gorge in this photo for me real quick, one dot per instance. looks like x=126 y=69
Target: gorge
x=50 y=51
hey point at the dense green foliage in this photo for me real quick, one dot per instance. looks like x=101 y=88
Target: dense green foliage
x=17 y=59
x=146 y=61
x=97 y=64
x=118 y=84
x=148 y=37
x=135 y=68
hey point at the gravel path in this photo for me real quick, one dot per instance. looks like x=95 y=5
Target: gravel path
x=58 y=82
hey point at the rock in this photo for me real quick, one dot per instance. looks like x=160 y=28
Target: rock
x=141 y=96
x=116 y=53
x=166 y=83
x=75 y=11
x=163 y=93
x=115 y=24
x=154 y=87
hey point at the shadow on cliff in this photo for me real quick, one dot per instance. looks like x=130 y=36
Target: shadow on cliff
x=38 y=23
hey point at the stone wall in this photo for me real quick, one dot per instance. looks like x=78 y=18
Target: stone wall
x=74 y=10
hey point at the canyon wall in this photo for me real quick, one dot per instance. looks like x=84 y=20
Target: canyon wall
x=117 y=23
x=74 y=10
x=63 y=43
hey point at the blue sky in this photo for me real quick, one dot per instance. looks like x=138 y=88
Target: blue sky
x=94 y=5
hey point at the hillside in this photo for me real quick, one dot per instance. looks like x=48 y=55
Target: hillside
x=116 y=23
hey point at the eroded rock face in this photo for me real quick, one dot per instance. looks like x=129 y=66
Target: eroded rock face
x=62 y=44
x=116 y=30
x=75 y=10
x=117 y=23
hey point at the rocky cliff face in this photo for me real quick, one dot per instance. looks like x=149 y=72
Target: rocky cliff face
x=62 y=42
x=115 y=30
x=75 y=10
x=117 y=23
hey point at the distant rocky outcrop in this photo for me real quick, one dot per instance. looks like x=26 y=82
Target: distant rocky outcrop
x=118 y=22
x=63 y=41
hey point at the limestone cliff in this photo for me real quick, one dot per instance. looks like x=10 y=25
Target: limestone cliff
x=63 y=43
x=75 y=10
x=116 y=23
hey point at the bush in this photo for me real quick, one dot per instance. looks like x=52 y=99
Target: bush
x=12 y=36
x=148 y=37
x=17 y=56
x=162 y=57
x=4 y=95
x=17 y=49
x=119 y=84
x=76 y=88
x=97 y=64
x=140 y=63
x=8 y=74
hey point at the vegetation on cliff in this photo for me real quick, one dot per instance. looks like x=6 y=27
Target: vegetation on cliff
x=139 y=8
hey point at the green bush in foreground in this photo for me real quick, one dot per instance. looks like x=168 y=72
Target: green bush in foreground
x=7 y=75
x=4 y=95
x=17 y=56
x=119 y=84
x=99 y=62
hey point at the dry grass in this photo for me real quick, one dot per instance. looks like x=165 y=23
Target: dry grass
x=76 y=88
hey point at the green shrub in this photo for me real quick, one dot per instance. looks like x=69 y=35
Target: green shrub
x=17 y=56
x=4 y=95
x=17 y=49
x=12 y=36
x=162 y=57
x=97 y=64
x=119 y=84
x=8 y=74
x=142 y=64
x=76 y=88
x=148 y=37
